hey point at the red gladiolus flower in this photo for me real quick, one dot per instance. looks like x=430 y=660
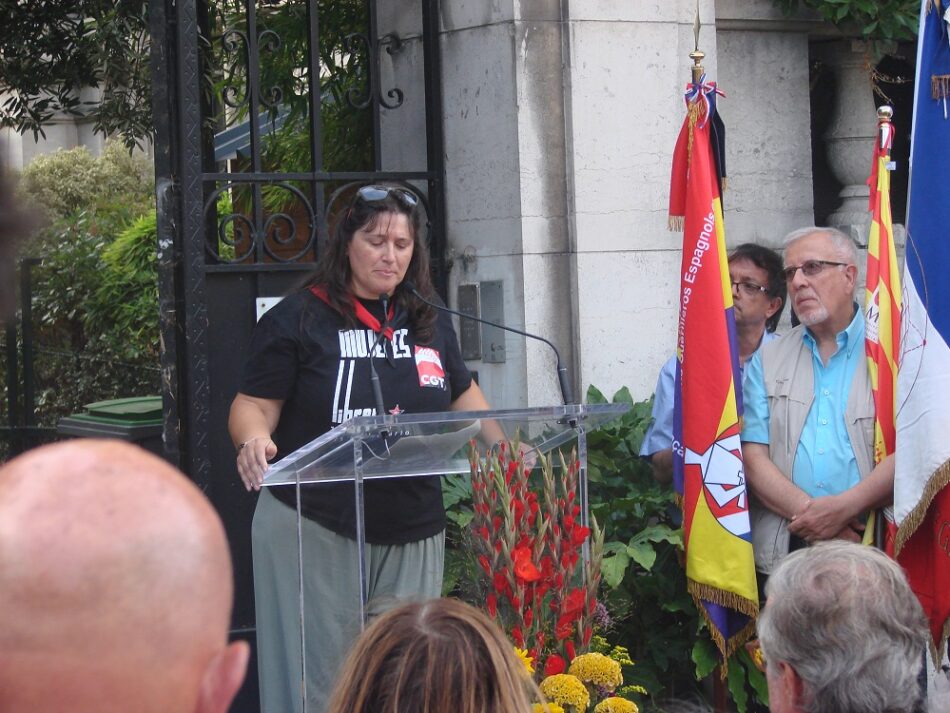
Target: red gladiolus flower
x=588 y=632
x=517 y=636
x=554 y=665
x=492 y=602
x=486 y=565
x=579 y=535
x=501 y=582
x=528 y=616
x=571 y=653
x=524 y=568
x=573 y=603
x=563 y=628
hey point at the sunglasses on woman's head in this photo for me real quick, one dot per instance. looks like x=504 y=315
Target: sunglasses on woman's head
x=375 y=194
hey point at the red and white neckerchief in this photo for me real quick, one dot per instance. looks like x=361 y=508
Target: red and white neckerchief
x=363 y=315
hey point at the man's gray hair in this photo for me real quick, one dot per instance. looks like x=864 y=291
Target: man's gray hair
x=844 y=618
x=843 y=245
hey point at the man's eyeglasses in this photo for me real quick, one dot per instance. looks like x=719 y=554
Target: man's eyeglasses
x=375 y=194
x=809 y=268
x=749 y=289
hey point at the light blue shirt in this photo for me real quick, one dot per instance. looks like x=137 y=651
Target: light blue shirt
x=659 y=435
x=824 y=459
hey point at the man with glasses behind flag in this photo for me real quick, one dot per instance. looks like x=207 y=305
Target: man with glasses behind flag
x=808 y=428
x=758 y=294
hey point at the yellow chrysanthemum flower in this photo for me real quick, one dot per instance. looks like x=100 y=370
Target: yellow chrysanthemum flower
x=546 y=708
x=597 y=669
x=616 y=705
x=525 y=659
x=566 y=690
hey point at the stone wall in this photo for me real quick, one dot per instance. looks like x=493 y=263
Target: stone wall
x=560 y=121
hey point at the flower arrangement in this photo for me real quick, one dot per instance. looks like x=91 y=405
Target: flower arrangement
x=566 y=691
x=597 y=670
x=529 y=542
x=592 y=677
x=615 y=704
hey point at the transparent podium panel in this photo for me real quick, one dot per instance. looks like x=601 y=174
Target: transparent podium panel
x=332 y=581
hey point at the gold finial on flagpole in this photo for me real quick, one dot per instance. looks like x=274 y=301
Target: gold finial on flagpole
x=884 y=115
x=696 y=55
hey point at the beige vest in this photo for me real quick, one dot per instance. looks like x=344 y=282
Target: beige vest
x=790 y=385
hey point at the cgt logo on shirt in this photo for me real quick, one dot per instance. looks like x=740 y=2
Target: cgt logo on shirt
x=429 y=366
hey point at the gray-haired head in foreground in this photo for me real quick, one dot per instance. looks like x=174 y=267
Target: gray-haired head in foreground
x=844 y=618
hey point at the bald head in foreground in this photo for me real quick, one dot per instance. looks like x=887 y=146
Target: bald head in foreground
x=115 y=579
x=841 y=632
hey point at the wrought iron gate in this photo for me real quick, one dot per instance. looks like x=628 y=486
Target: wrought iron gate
x=265 y=113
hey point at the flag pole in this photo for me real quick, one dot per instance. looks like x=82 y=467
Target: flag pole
x=720 y=693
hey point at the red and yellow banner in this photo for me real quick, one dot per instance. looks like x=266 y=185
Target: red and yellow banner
x=882 y=310
x=707 y=458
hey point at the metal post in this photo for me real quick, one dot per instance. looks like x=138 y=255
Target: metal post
x=26 y=321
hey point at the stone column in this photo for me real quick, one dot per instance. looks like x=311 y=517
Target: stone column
x=506 y=181
x=851 y=133
x=560 y=122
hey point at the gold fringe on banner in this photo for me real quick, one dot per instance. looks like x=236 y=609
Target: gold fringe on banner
x=674 y=223
x=704 y=592
x=940 y=86
x=938 y=481
x=693 y=113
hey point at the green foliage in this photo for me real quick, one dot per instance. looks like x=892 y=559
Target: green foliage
x=51 y=52
x=123 y=311
x=654 y=615
x=95 y=308
x=653 y=612
x=68 y=181
x=872 y=19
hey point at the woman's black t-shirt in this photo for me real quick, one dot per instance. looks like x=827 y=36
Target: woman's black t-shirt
x=303 y=353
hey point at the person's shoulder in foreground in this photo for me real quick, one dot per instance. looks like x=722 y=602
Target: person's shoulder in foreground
x=116 y=585
x=841 y=632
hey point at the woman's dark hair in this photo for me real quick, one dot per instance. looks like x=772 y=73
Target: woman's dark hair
x=333 y=267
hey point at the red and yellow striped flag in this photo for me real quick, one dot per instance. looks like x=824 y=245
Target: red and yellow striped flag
x=882 y=309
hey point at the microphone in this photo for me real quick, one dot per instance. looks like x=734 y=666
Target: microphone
x=373 y=375
x=567 y=393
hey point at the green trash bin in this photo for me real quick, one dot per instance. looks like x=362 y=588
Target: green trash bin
x=136 y=420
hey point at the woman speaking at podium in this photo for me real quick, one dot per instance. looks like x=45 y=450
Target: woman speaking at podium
x=307 y=370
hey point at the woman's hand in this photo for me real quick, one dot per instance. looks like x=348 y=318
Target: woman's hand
x=252 y=460
x=251 y=422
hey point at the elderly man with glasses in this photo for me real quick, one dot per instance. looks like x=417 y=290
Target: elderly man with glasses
x=758 y=294
x=808 y=427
